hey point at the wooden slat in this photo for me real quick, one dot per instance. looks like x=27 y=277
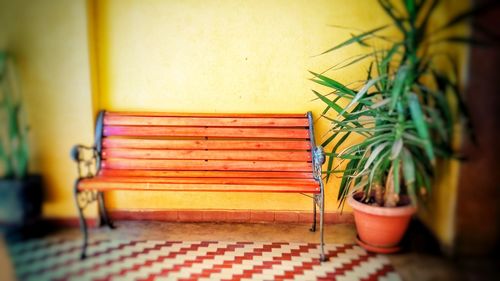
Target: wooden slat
x=103 y=186
x=165 y=151
x=207 y=154
x=205 y=132
x=231 y=115
x=207 y=144
x=205 y=165
x=185 y=121
x=233 y=181
x=204 y=174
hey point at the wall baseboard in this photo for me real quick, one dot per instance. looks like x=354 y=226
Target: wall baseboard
x=240 y=216
x=251 y=216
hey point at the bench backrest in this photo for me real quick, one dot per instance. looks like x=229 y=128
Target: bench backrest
x=205 y=145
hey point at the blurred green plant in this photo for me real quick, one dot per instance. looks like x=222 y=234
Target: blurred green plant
x=13 y=131
x=405 y=110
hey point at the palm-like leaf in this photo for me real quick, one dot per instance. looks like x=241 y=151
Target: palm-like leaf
x=13 y=140
x=405 y=122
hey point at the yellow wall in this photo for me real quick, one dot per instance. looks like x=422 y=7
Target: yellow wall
x=218 y=56
x=49 y=42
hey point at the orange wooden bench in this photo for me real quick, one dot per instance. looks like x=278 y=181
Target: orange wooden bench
x=199 y=152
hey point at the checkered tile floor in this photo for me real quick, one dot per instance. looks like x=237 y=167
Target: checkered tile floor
x=58 y=259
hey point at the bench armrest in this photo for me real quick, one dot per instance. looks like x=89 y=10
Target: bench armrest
x=87 y=160
x=318 y=161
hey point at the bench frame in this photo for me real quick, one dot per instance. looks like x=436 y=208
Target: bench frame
x=88 y=160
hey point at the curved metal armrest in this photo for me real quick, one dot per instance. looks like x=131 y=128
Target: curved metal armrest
x=318 y=161
x=87 y=160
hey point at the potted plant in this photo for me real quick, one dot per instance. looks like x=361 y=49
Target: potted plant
x=20 y=193
x=404 y=112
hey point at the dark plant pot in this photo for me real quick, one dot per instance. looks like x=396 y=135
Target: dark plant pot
x=380 y=229
x=20 y=201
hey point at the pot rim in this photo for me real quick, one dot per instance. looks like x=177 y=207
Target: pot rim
x=407 y=210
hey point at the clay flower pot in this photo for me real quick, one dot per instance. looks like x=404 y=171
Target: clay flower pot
x=380 y=229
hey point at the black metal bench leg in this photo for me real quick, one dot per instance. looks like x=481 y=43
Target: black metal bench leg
x=83 y=228
x=313 y=227
x=103 y=214
x=322 y=257
x=83 y=224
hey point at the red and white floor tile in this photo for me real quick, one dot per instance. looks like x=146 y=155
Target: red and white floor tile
x=58 y=259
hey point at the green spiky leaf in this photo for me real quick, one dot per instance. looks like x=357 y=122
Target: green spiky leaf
x=356 y=39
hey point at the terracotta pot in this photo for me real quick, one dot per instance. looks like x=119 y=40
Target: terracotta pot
x=380 y=229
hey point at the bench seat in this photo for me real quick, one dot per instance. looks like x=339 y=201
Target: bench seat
x=104 y=183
